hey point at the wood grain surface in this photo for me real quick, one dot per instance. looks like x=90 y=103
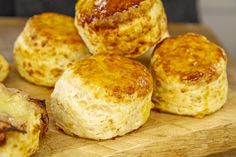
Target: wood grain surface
x=163 y=134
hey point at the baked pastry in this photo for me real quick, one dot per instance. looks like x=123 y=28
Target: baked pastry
x=4 y=68
x=47 y=44
x=128 y=27
x=23 y=120
x=146 y=58
x=189 y=76
x=102 y=97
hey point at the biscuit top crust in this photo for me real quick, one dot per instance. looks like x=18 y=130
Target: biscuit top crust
x=191 y=57
x=118 y=76
x=99 y=9
x=54 y=27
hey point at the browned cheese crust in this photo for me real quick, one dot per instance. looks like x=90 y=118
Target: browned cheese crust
x=53 y=27
x=128 y=28
x=119 y=76
x=114 y=10
x=199 y=57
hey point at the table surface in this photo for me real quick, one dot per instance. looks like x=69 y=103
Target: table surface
x=11 y=27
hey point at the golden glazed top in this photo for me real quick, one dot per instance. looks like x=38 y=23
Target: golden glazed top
x=54 y=27
x=118 y=76
x=191 y=57
x=97 y=9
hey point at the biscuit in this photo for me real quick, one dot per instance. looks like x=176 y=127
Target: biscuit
x=4 y=68
x=189 y=75
x=23 y=121
x=47 y=44
x=102 y=97
x=128 y=28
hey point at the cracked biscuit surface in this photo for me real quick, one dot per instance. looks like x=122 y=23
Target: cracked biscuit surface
x=189 y=76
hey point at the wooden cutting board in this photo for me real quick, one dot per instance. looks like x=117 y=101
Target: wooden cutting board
x=162 y=135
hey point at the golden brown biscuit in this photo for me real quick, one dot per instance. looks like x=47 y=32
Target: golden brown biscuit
x=4 y=68
x=189 y=76
x=47 y=44
x=23 y=121
x=128 y=28
x=102 y=97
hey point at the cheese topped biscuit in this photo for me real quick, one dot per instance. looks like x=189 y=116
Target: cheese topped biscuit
x=128 y=28
x=190 y=75
x=47 y=44
x=102 y=97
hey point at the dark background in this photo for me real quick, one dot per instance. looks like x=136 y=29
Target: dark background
x=177 y=10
